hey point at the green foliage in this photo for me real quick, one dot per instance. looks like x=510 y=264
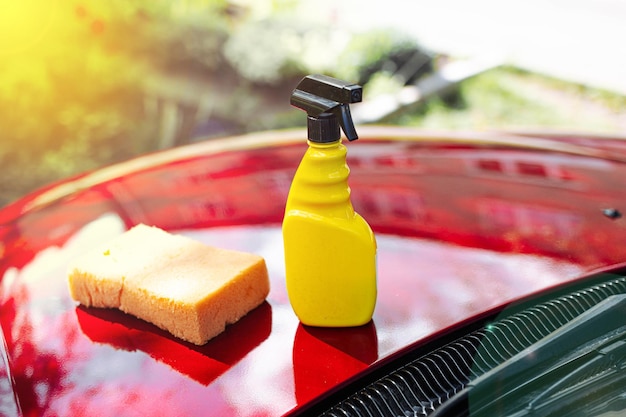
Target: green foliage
x=368 y=48
x=85 y=84
x=72 y=78
x=507 y=98
x=281 y=46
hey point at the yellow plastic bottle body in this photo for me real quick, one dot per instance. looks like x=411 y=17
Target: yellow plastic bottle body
x=330 y=251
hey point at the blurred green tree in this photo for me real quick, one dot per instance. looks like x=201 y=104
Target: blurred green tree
x=73 y=79
x=87 y=83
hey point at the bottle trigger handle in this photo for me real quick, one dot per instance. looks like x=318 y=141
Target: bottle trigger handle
x=325 y=98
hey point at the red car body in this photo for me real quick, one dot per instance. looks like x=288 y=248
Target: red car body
x=464 y=222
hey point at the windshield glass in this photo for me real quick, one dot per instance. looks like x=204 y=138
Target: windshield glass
x=577 y=367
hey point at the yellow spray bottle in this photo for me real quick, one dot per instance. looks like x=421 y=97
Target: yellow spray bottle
x=330 y=251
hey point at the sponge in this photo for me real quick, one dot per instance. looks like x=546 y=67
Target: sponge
x=181 y=285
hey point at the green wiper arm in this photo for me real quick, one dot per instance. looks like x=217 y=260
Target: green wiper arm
x=584 y=341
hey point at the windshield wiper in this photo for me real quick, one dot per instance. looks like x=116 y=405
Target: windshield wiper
x=588 y=350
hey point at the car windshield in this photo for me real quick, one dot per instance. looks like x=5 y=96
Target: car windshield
x=582 y=361
x=85 y=84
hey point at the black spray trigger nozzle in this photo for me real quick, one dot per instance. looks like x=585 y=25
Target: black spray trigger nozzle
x=322 y=95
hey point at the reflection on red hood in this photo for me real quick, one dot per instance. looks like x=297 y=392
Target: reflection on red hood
x=464 y=223
x=323 y=358
x=201 y=363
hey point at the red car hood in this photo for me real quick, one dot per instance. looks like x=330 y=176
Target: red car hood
x=464 y=223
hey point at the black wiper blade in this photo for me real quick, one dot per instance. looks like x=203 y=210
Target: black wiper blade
x=593 y=339
x=606 y=362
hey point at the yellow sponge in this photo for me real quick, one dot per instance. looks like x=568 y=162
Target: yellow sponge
x=183 y=286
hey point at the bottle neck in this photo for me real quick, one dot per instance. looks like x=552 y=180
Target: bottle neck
x=321 y=181
x=326 y=145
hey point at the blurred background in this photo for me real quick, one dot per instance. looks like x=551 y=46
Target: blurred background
x=87 y=83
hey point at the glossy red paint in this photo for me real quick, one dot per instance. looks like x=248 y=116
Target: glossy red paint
x=325 y=357
x=464 y=223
